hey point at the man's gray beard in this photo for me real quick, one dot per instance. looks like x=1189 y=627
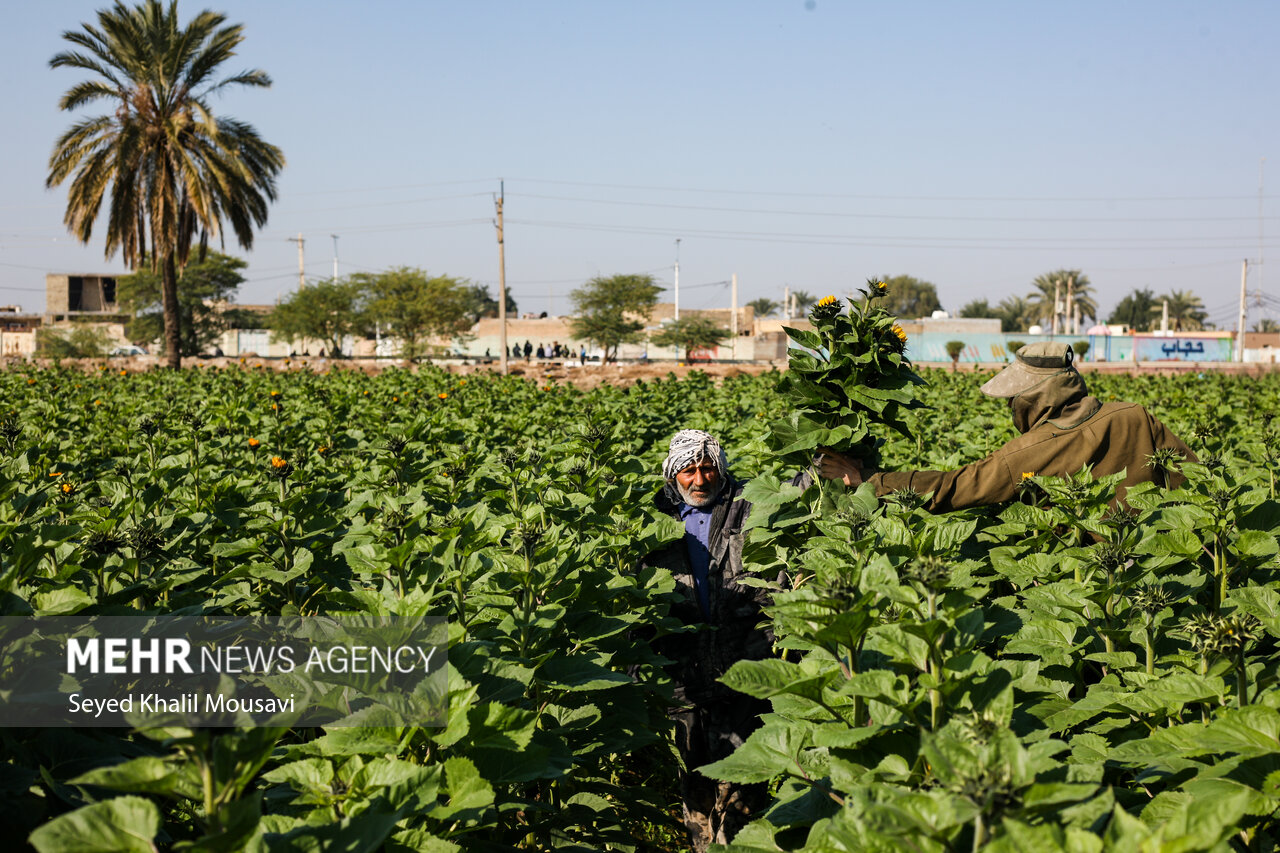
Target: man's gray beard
x=696 y=501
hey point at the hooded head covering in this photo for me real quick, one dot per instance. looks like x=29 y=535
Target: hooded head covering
x=1032 y=364
x=687 y=447
x=1042 y=385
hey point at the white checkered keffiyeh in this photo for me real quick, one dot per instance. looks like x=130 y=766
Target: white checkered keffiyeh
x=692 y=445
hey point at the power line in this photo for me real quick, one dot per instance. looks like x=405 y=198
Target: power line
x=1160 y=199
x=893 y=216
x=879 y=242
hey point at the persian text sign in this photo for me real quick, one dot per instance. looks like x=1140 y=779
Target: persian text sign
x=340 y=669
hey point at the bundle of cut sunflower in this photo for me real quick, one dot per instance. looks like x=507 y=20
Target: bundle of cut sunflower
x=848 y=381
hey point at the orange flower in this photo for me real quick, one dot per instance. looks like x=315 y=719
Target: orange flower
x=275 y=393
x=322 y=449
x=124 y=372
x=443 y=396
x=55 y=473
x=900 y=332
x=278 y=462
x=1027 y=475
x=253 y=443
x=67 y=488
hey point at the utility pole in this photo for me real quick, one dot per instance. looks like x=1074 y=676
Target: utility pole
x=786 y=302
x=1164 y=317
x=335 y=256
x=502 y=280
x=302 y=267
x=1057 y=305
x=733 y=317
x=1244 y=277
x=1070 y=306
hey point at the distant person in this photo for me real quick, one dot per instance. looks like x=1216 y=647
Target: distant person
x=582 y=356
x=528 y=350
x=542 y=352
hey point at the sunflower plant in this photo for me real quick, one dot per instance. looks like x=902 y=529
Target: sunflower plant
x=848 y=382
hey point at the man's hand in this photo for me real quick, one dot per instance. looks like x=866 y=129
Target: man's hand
x=836 y=466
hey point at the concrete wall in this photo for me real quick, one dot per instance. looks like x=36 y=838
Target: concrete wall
x=1199 y=346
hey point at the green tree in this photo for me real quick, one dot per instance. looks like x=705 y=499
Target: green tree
x=763 y=307
x=907 y=296
x=690 y=333
x=327 y=311
x=414 y=307
x=481 y=303
x=203 y=288
x=79 y=342
x=1016 y=314
x=1081 y=348
x=175 y=171
x=611 y=310
x=1135 y=310
x=954 y=349
x=978 y=308
x=1065 y=282
x=802 y=299
x=1266 y=326
x=1186 y=310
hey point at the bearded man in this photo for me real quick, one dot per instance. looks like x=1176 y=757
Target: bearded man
x=711 y=720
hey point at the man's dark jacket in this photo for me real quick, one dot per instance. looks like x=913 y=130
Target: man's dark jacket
x=733 y=631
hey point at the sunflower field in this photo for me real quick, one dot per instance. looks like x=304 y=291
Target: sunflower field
x=1053 y=674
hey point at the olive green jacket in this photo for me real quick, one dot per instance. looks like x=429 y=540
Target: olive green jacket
x=1063 y=430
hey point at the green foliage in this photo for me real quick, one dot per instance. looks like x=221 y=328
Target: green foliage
x=480 y=303
x=1186 y=310
x=954 y=349
x=1080 y=348
x=1055 y=674
x=1072 y=288
x=612 y=310
x=413 y=306
x=77 y=342
x=1060 y=673
x=176 y=173
x=327 y=311
x=1136 y=310
x=847 y=377
x=204 y=288
x=908 y=296
x=978 y=308
x=1016 y=313
x=764 y=307
x=690 y=333
x=1014 y=346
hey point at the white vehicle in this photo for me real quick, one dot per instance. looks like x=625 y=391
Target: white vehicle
x=128 y=349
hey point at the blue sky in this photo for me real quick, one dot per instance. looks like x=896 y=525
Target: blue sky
x=975 y=145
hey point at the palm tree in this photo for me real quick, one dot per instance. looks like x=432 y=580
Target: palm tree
x=763 y=307
x=175 y=171
x=1063 y=281
x=1186 y=310
x=803 y=299
x=1016 y=314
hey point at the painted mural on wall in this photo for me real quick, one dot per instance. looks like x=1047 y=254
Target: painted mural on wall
x=932 y=346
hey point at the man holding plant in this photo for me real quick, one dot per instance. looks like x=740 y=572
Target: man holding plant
x=1062 y=428
x=711 y=720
